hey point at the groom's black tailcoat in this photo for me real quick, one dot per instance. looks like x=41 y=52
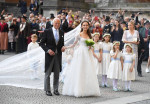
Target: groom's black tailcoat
x=48 y=42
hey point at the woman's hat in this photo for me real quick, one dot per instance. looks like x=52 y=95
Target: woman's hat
x=116 y=42
x=24 y=17
x=107 y=18
x=106 y=34
x=96 y=33
x=52 y=16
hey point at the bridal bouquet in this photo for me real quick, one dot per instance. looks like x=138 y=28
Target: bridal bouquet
x=89 y=42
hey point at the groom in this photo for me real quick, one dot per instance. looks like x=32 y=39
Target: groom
x=52 y=43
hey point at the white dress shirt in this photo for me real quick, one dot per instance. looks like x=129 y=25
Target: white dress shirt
x=32 y=46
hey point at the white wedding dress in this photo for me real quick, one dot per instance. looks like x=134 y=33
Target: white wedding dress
x=81 y=80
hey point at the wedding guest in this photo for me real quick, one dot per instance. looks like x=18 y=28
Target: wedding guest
x=107 y=26
x=117 y=33
x=64 y=23
x=15 y=28
x=3 y=35
x=42 y=25
x=23 y=5
x=145 y=32
x=131 y=36
x=22 y=36
x=98 y=29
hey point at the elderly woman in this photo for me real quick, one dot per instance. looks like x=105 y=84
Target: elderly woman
x=98 y=29
x=3 y=36
x=131 y=36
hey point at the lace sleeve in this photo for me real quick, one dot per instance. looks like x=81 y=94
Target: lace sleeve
x=124 y=36
x=75 y=42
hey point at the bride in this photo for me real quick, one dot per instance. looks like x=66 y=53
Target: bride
x=82 y=79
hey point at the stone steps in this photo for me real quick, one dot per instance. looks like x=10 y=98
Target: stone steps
x=12 y=8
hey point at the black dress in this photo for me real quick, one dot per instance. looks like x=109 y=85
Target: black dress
x=117 y=36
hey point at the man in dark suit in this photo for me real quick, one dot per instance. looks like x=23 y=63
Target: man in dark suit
x=145 y=32
x=22 y=36
x=64 y=23
x=49 y=23
x=140 y=55
x=52 y=43
x=107 y=27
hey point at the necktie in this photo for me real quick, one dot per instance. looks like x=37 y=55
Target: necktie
x=56 y=36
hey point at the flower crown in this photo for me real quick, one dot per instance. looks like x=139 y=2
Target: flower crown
x=106 y=34
x=116 y=42
x=96 y=33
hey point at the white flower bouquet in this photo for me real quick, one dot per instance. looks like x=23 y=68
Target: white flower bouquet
x=89 y=42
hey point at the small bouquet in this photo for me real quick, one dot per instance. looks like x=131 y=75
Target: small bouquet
x=134 y=39
x=89 y=42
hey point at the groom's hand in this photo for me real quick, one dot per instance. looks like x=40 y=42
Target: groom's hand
x=63 y=49
x=52 y=53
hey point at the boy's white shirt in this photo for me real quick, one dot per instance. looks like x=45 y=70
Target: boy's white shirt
x=32 y=45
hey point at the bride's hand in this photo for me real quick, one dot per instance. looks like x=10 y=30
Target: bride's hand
x=89 y=47
x=99 y=60
x=63 y=48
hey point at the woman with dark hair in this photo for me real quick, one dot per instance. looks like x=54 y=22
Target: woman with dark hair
x=81 y=79
x=34 y=28
x=117 y=33
x=13 y=30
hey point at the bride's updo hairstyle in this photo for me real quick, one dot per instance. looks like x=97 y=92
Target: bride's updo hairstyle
x=88 y=31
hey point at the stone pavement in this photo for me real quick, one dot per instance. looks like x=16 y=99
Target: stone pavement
x=18 y=95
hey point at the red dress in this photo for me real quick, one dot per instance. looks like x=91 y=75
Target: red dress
x=3 y=36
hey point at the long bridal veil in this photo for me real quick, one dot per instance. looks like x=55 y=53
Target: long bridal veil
x=18 y=70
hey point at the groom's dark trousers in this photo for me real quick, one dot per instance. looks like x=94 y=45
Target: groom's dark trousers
x=56 y=69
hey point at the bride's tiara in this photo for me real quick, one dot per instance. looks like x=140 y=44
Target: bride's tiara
x=85 y=20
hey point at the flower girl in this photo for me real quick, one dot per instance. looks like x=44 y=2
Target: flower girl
x=106 y=48
x=116 y=66
x=128 y=67
x=97 y=52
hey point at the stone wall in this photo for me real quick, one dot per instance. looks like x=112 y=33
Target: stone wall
x=53 y=6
